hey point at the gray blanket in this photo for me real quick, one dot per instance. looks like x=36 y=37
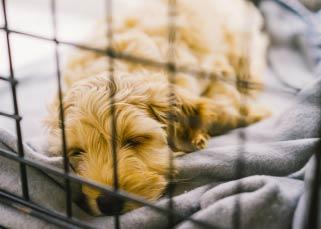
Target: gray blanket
x=260 y=182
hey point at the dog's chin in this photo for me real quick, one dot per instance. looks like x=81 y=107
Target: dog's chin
x=88 y=202
x=91 y=207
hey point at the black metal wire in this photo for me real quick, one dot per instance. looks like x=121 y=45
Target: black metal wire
x=104 y=189
x=61 y=110
x=171 y=72
x=9 y=79
x=110 y=36
x=313 y=203
x=32 y=209
x=23 y=171
x=13 y=116
x=239 y=164
x=110 y=52
x=2 y=227
x=26 y=206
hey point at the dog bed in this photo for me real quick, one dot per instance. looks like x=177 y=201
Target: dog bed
x=272 y=188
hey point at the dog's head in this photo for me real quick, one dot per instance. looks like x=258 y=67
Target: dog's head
x=133 y=129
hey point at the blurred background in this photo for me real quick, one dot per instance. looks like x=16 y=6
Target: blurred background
x=33 y=59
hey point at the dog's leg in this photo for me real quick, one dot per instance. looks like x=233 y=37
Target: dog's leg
x=253 y=112
x=194 y=115
x=233 y=109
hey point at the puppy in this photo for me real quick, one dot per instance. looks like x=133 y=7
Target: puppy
x=219 y=36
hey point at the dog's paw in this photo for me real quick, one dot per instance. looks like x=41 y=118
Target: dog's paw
x=200 y=141
x=255 y=112
x=179 y=153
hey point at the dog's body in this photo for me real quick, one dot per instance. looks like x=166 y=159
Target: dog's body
x=218 y=36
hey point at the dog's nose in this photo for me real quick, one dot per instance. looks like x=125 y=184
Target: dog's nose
x=82 y=202
x=110 y=205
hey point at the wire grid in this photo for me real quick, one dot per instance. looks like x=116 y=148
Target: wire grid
x=24 y=204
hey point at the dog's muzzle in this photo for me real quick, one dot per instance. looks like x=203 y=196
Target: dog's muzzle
x=107 y=204
x=110 y=205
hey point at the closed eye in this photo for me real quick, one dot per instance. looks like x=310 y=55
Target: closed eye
x=74 y=156
x=136 y=141
x=75 y=152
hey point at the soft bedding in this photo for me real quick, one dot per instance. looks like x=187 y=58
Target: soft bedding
x=275 y=156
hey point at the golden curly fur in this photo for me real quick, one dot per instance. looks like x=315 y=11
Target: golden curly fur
x=219 y=36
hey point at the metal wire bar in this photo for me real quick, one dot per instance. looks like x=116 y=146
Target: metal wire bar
x=313 y=207
x=13 y=116
x=169 y=66
x=23 y=172
x=313 y=204
x=105 y=189
x=297 y=8
x=9 y=79
x=171 y=101
x=110 y=37
x=148 y=62
x=239 y=167
x=61 y=110
x=33 y=209
x=160 y=65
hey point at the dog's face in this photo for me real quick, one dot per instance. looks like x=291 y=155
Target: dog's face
x=139 y=141
x=141 y=150
x=136 y=131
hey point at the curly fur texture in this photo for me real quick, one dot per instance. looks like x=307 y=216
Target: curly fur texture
x=220 y=36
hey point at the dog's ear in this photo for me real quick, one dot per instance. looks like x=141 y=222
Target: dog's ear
x=180 y=107
x=190 y=117
x=53 y=123
x=158 y=113
x=167 y=107
x=53 y=120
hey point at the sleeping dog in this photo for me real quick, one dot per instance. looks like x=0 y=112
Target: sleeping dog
x=222 y=37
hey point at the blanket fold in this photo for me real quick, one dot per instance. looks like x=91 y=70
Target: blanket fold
x=271 y=199
x=270 y=191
